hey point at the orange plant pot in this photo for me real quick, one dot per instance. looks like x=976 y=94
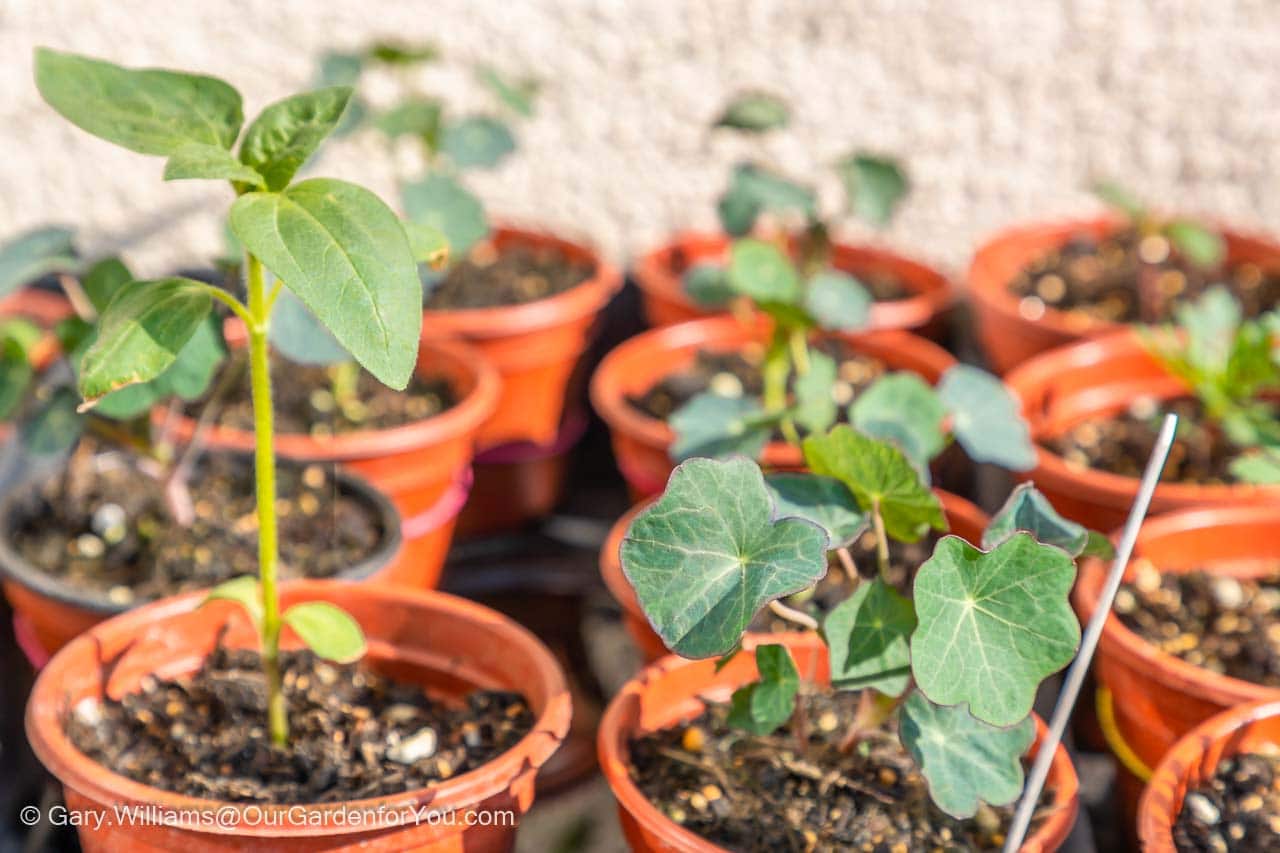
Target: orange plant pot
x=445 y=644
x=1099 y=378
x=1193 y=760
x=424 y=467
x=674 y=690
x=535 y=347
x=964 y=518
x=1007 y=336
x=641 y=443
x=659 y=275
x=1158 y=698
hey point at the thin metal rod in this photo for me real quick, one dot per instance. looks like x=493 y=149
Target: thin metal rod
x=1089 y=642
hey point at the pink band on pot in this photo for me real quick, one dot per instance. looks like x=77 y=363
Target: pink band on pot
x=575 y=424
x=26 y=638
x=444 y=510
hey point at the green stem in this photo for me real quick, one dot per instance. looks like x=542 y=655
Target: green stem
x=882 y=541
x=265 y=473
x=776 y=369
x=799 y=350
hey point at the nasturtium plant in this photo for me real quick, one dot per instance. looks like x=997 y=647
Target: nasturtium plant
x=1232 y=366
x=333 y=245
x=953 y=653
x=1198 y=243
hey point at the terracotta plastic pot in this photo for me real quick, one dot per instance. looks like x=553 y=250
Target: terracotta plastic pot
x=424 y=467
x=964 y=518
x=1100 y=378
x=1193 y=761
x=447 y=645
x=674 y=689
x=56 y=612
x=659 y=274
x=42 y=307
x=641 y=442
x=1158 y=697
x=535 y=347
x=1008 y=335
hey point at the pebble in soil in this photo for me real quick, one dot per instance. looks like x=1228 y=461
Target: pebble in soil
x=1097 y=280
x=354 y=733
x=1227 y=625
x=1122 y=443
x=104 y=525
x=1235 y=811
x=517 y=274
x=752 y=793
x=323 y=401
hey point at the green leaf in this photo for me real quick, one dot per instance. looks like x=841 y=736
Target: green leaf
x=762 y=706
x=755 y=112
x=444 y=204
x=416 y=117
x=710 y=553
x=762 y=272
x=823 y=500
x=1211 y=324
x=878 y=475
x=428 y=244
x=986 y=418
x=901 y=408
x=1198 y=244
x=403 y=53
x=300 y=337
x=1029 y=511
x=962 y=759
x=208 y=162
x=103 y=280
x=197 y=363
x=327 y=629
x=1260 y=468
x=479 y=142
x=244 y=591
x=815 y=409
x=287 y=133
x=1098 y=545
x=516 y=94
x=992 y=625
x=55 y=426
x=874 y=185
x=711 y=425
x=149 y=110
x=16 y=370
x=36 y=253
x=1120 y=200
x=141 y=333
x=838 y=301
x=868 y=637
x=342 y=251
x=708 y=285
x=738 y=210
x=771 y=191
x=340 y=69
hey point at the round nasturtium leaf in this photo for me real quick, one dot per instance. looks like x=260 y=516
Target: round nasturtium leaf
x=838 y=301
x=986 y=418
x=868 y=635
x=479 y=142
x=763 y=272
x=900 y=407
x=823 y=500
x=715 y=426
x=762 y=706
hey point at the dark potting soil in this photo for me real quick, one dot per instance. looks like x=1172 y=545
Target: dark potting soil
x=751 y=793
x=104 y=525
x=1122 y=443
x=314 y=400
x=1226 y=625
x=1099 y=280
x=1237 y=811
x=354 y=733
x=517 y=274
x=737 y=374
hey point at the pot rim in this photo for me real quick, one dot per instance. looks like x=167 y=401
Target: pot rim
x=17 y=569
x=504 y=321
x=1139 y=654
x=75 y=770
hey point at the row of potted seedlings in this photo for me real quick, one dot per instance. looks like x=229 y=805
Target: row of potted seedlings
x=858 y=646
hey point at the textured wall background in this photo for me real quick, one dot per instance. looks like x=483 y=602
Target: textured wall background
x=1001 y=110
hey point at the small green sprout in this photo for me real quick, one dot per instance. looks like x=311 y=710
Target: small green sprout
x=334 y=245
x=1198 y=243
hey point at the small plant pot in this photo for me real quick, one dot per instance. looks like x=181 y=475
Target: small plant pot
x=641 y=443
x=1158 y=697
x=447 y=645
x=660 y=272
x=1098 y=378
x=1193 y=761
x=42 y=307
x=424 y=467
x=674 y=689
x=1009 y=336
x=535 y=347
x=964 y=518
x=56 y=611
